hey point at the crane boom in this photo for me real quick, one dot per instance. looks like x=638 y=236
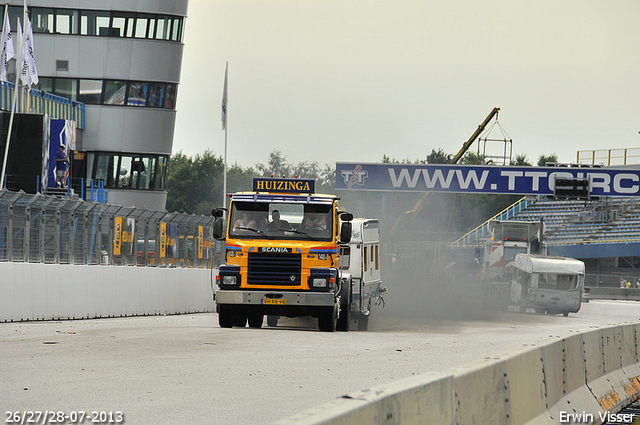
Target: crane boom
x=424 y=196
x=474 y=136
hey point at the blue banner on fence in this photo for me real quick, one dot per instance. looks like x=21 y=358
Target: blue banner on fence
x=482 y=179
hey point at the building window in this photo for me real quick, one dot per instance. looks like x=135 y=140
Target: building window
x=137 y=94
x=129 y=171
x=118 y=93
x=156 y=93
x=114 y=92
x=66 y=87
x=90 y=92
x=42 y=19
x=94 y=22
x=170 y=96
x=101 y=23
x=66 y=21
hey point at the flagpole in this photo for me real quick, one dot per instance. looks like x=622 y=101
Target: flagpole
x=13 y=106
x=225 y=102
x=224 y=199
x=4 y=21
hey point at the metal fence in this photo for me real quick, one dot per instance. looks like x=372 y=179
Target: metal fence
x=61 y=230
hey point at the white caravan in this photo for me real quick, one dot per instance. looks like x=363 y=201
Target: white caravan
x=547 y=284
x=360 y=262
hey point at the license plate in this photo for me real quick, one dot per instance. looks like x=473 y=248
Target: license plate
x=273 y=301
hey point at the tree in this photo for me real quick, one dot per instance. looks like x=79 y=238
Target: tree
x=179 y=183
x=326 y=182
x=471 y=158
x=543 y=159
x=239 y=178
x=439 y=157
x=277 y=166
x=195 y=185
x=521 y=160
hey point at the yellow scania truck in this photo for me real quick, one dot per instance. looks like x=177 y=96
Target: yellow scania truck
x=282 y=256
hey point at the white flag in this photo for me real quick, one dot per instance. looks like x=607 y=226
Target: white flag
x=7 y=49
x=28 y=70
x=224 y=99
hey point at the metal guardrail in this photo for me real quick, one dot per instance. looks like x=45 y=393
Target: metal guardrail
x=39 y=102
x=61 y=230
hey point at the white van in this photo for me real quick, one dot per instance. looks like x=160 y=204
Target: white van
x=547 y=284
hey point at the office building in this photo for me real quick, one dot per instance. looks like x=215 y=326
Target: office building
x=122 y=60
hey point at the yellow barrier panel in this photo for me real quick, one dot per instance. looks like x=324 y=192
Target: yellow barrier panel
x=117 y=240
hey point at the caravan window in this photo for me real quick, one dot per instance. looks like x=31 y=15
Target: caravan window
x=365 y=259
x=567 y=282
x=560 y=282
x=377 y=259
x=345 y=256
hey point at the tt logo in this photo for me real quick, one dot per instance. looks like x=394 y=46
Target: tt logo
x=356 y=176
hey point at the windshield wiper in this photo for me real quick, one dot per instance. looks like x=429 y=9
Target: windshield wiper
x=304 y=233
x=260 y=232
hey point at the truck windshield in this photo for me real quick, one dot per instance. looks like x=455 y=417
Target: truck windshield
x=265 y=220
x=510 y=252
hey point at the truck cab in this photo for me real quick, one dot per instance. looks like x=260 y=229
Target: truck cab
x=282 y=256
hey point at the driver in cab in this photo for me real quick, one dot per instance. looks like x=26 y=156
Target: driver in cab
x=314 y=221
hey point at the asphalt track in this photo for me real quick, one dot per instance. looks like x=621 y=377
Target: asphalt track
x=185 y=369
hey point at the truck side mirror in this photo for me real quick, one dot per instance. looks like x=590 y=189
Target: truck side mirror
x=345 y=232
x=346 y=216
x=217 y=228
x=218 y=222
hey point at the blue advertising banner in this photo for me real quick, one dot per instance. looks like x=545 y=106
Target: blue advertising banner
x=482 y=179
x=61 y=132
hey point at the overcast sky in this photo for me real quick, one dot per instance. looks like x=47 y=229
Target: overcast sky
x=353 y=80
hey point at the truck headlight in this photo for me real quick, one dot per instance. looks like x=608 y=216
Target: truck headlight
x=319 y=282
x=229 y=280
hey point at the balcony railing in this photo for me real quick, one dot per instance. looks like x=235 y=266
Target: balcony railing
x=39 y=102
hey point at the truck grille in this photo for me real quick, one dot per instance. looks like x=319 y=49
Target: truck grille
x=269 y=268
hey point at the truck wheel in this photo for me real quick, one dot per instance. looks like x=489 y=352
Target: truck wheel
x=225 y=316
x=240 y=320
x=565 y=313
x=343 y=320
x=272 y=321
x=328 y=319
x=523 y=308
x=363 y=322
x=255 y=320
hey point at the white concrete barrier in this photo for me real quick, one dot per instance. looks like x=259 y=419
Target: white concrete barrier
x=54 y=291
x=580 y=378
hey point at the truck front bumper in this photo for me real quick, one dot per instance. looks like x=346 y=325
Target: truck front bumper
x=275 y=298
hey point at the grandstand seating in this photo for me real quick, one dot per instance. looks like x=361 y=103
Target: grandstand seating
x=576 y=222
x=611 y=220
